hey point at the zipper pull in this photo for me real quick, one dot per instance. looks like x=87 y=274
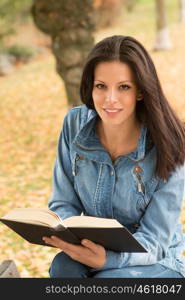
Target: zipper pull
x=139 y=187
x=74 y=165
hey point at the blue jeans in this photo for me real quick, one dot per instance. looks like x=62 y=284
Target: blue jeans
x=64 y=267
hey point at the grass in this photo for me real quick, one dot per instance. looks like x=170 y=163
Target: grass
x=32 y=106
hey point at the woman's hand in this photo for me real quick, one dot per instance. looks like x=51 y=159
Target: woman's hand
x=88 y=253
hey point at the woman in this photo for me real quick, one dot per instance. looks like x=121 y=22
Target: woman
x=121 y=155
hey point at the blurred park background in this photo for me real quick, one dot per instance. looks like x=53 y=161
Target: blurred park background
x=43 y=44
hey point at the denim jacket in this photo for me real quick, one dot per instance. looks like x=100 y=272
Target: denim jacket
x=85 y=180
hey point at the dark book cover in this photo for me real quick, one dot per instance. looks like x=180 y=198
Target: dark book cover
x=115 y=239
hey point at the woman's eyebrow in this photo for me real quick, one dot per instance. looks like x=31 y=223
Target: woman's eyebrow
x=126 y=81
x=118 y=82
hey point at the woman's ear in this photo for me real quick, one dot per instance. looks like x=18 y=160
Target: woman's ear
x=139 y=96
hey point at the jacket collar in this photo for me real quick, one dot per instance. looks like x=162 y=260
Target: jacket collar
x=88 y=144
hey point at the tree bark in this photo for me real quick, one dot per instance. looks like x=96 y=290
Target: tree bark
x=70 y=25
x=163 y=41
x=182 y=11
x=107 y=12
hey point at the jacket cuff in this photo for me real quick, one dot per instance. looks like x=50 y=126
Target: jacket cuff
x=114 y=260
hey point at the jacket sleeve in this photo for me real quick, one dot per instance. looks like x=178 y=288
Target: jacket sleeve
x=157 y=226
x=64 y=201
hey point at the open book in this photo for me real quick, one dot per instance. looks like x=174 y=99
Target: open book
x=34 y=223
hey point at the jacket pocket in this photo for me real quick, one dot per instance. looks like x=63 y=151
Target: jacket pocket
x=85 y=183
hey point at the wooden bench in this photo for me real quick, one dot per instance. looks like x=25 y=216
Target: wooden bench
x=8 y=269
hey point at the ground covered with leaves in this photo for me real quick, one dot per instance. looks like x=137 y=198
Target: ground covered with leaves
x=32 y=106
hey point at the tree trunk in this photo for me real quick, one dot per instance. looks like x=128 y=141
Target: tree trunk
x=107 y=12
x=162 y=36
x=70 y=26
x=182 y=11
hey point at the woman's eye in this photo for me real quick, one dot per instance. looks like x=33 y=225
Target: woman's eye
x=121 y=87
x=124 y=87
x=99 y=86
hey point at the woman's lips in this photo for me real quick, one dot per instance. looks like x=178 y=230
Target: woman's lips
x=112 y=112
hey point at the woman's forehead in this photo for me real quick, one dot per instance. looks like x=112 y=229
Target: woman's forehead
x=115 y=69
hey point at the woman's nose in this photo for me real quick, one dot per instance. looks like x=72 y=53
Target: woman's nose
x=111 y=96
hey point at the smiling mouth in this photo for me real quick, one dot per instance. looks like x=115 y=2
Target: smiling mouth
x=112 y=110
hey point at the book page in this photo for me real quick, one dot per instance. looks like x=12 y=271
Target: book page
x=93 y=222
x=40 y=216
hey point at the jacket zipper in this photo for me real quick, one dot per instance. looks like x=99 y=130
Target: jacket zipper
x=137 y=171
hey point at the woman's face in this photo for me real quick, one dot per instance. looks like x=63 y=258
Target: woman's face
x=115 y=93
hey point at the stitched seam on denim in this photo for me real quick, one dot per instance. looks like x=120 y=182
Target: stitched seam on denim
x=96 y=194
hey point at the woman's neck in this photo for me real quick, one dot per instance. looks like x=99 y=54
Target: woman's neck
x=119 y=140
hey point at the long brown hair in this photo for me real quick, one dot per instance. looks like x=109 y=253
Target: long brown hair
x=167 y=131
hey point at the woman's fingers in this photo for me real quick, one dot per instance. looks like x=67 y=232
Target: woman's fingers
x=88 y=252
x=91 y=245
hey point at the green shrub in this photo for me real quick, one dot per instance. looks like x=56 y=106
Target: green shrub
x=20 y=52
